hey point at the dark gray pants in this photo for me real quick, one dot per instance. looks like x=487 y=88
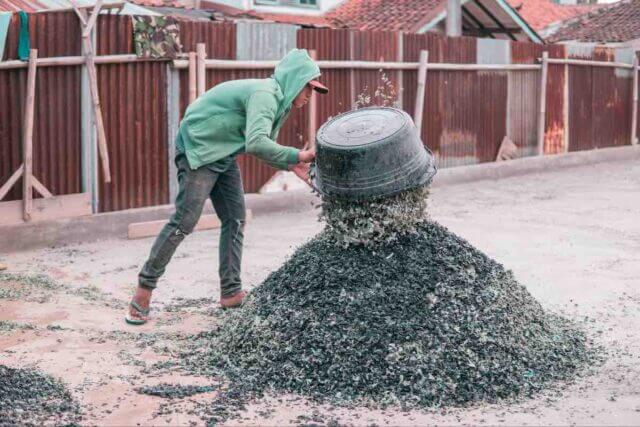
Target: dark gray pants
x=227 y=195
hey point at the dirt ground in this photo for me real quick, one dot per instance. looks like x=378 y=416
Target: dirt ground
x=572 y=237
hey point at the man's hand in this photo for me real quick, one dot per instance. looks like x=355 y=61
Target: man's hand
x=307 y=156
x=302 y=171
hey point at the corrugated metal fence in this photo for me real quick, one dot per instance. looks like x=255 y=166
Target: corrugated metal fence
x=466 y=116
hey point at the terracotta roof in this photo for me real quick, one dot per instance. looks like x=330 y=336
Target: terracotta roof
x=542 y=13
x=619 y=22
x=17 y=5
x=392 y=15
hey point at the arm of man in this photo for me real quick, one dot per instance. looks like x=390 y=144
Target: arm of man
x=261 y=112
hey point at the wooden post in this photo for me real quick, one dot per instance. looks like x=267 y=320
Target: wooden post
x=422 y=81
x=27 y=137
x=313 y=108
x=92 y=19
x=193 y=92
x=201 y=52
x=565 y=109
x=352 y=72
x=97 y=110
x=400 y=73
x=543 y=102
x=89 y=138
x=173 y=118
x=634 y=106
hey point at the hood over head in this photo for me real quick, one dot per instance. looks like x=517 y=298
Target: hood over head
x=293 y=72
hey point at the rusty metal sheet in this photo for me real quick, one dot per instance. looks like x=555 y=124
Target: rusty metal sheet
x=134 y=108
x=374 y=46
x=554 y=142
x=599 y=102
x=56 y=133
x=460 y=124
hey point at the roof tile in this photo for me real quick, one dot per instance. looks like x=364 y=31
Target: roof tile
x=391 y=15
x=619 y=22
x=542 y=13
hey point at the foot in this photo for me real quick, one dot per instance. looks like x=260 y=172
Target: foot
x=234 y=300
x=142 y=297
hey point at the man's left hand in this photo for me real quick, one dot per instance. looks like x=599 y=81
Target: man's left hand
x=302 y=171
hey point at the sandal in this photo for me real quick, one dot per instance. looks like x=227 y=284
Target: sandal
x=141 y=311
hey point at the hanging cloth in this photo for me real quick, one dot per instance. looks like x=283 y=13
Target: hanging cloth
x=156 y=36
x=23 y=39
x=5 y=20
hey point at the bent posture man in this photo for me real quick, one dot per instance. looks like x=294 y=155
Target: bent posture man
x=233 y=117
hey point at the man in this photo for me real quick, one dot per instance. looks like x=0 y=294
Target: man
x=233 y=117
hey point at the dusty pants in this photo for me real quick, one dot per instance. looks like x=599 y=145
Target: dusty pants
x=224 y=188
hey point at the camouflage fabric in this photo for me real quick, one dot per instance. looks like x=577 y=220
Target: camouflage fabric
x=156 y=36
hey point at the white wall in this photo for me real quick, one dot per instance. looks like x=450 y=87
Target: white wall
x=323 y=6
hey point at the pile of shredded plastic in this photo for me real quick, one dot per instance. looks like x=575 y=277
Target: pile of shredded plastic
x=28 y=397
x=421 y=320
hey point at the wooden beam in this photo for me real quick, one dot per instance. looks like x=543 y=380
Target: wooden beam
x=27 y=137
x=92 y=19
x=634 y=100
x=97 y=110
x=400 y=73
x=201 y=53
x=193 y=90
x=37 y=185
x=562 y=61
x=475 y=20
x=565 y=110
x=229 y=64
x=12 y=180
x=56 y=207
x=81 y=16
x=493 y=18
x=353 y=96
x=542 y=110
x=422 y=82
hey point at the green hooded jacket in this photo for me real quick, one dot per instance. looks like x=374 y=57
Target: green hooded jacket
x=246 y=115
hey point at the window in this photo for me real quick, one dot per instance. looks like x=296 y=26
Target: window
x=294 y=3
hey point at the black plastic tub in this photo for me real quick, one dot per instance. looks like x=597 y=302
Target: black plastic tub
x=371 y=152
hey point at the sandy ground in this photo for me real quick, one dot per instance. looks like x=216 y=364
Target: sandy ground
x=572 y=237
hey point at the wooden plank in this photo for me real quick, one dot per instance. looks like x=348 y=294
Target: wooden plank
x=634 y=99
x=56 y=207
x=422 y=81
x=138 y=230
x=193 y=90
x=201 y=71
x=542 y=110
x=27 y=137
x=37 y=185
x=12 y=180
